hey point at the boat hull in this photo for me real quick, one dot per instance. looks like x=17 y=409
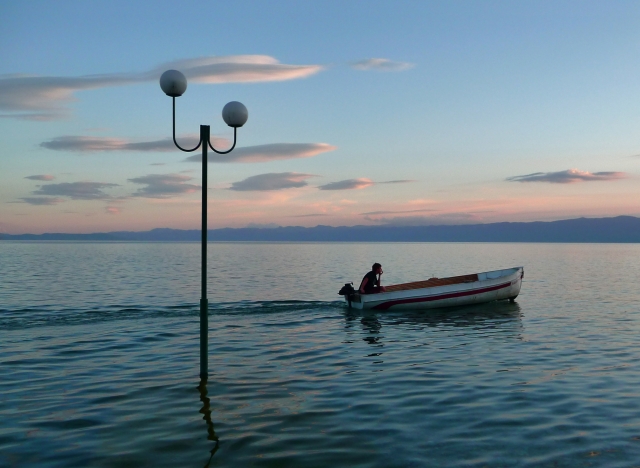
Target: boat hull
x=491 y=286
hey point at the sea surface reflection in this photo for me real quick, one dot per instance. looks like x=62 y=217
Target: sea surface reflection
x=99 y=357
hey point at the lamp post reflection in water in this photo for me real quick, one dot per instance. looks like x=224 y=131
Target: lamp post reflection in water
x=235 y=114
x=206 y=415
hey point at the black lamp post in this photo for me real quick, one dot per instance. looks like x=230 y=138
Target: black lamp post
x=235 y=114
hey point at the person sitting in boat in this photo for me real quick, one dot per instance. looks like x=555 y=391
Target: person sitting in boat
x=371 y=281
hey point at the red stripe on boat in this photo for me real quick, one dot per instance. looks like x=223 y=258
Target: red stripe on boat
x=386 y=305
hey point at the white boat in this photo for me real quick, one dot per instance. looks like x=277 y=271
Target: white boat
x=441 y=292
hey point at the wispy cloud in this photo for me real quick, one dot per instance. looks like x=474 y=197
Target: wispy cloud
x=401 y=181
x=349 y=184
x=163 y=185
x=236 y=69
x=310 y=215
x=46 y=177
x=567 y=177
x=112 y=210
x=76 y=190
x=373 y=213
x=42 y=201
x=270 y=152
x=380 y=64
x=91 y=143
x=435 y=220
x=272 y=181
x=352 y=184
x=45 y=97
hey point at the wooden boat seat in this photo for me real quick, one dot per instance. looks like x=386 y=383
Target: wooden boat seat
x=433 y=282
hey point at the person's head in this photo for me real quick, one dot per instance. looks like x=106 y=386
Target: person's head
x=376 y=268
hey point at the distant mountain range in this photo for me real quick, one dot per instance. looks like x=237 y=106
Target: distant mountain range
x=618 y=229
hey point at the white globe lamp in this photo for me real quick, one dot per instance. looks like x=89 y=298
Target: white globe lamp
x=235 y=114
x=173 y=83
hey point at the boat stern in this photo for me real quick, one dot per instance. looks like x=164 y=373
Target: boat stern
x=354 y=301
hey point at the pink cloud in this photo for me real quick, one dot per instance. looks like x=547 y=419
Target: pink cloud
x=348 y=184
x=569 y=176
x=43 y=98
x=45 y=177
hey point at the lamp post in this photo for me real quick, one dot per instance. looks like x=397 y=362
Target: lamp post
x=235 y=114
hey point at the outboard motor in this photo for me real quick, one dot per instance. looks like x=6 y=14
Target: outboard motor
x=347 y=290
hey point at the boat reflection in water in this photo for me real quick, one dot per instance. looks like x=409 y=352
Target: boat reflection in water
x=502 y=317
x=206 y=415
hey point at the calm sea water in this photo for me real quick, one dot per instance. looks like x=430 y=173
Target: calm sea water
x=99 y=358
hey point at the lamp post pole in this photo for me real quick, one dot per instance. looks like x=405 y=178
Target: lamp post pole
x=204 y=302
x=235 y=114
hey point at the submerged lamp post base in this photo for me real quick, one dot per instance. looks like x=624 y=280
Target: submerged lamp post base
x=204 y=339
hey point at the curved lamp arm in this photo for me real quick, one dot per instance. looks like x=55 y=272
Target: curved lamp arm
x=174 y=132
x=235 y=129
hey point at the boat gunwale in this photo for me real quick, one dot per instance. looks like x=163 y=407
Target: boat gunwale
x=433 y=283
x=438 y=289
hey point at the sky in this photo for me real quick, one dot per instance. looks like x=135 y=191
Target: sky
x=360 y=113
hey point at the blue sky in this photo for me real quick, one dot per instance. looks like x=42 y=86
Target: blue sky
x=359 y=112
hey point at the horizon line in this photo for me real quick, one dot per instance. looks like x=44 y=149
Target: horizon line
x=275 y=227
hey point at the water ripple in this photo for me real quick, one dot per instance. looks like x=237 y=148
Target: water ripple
x=51 y=315
x=100 y=367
